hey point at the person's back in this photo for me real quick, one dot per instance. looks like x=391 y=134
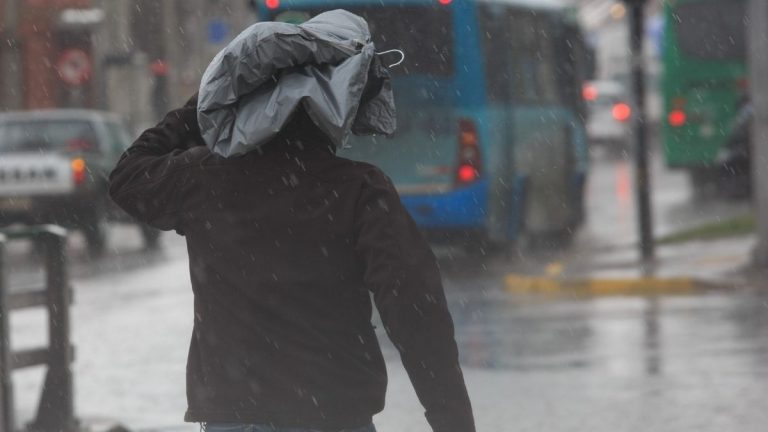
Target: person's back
x=285 y=245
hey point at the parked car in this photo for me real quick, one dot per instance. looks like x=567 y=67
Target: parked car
x=609 y=113
x=54 y=168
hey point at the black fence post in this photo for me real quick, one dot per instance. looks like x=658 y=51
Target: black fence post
x=7 y=420
x=56 y=410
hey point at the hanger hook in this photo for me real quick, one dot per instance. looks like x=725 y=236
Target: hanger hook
x=402 y=56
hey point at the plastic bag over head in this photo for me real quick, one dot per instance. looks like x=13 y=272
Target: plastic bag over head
x=327 y=65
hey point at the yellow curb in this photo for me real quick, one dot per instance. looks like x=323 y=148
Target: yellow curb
x=519 y=284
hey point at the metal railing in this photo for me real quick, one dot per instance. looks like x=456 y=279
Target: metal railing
x=56 y=409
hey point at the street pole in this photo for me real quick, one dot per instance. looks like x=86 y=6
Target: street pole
x=758 y=80
x=642 y=176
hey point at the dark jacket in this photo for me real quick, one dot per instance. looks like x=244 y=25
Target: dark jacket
x=285 y=246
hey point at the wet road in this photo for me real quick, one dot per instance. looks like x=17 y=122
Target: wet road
x=557 y=363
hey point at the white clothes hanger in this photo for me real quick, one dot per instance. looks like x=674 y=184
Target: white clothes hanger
x=402 y=56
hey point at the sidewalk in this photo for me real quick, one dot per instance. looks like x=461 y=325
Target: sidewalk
x=618 y=270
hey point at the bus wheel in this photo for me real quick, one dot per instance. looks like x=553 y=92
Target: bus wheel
x=564 y=238
x=704 y=182
x=578 y=203
x=479 y=248
x=550 y=240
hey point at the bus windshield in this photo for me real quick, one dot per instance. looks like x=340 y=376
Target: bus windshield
x=423 y=33
x=711 y=30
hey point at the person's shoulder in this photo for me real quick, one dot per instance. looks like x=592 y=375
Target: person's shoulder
x=346 y=170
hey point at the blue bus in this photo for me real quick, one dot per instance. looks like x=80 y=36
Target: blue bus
x=490 y=141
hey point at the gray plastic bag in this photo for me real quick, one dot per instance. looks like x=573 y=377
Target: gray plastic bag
x=327 y=64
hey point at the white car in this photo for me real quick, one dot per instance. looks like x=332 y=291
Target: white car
x=54 y=168
x=609 y=113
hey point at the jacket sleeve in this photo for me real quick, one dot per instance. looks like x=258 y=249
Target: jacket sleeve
x=402 y=273
x=151 y=177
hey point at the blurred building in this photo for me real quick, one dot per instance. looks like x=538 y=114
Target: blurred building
x=39 y=39
x=134 y=57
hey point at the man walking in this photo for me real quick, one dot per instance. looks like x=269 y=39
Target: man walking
x=286 y=242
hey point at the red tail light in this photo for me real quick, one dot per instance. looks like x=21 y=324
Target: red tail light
x=272 y=4
x=677 y=118
x=621 y=112
x=589 y=92
x=468 y=168
x=79 y=171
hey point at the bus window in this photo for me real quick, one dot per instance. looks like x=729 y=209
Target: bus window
x=424 y=33
x=520 y=55
x=572 y=70
x=524 y=57
x=546 y=78
x=497 y=46
x=711 y=30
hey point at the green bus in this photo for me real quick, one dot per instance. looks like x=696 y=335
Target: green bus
x=704 y=80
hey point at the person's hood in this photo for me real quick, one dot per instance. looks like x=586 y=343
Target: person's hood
x=327 y=65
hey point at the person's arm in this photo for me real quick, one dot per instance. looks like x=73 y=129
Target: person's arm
x=151 y=176
x=402 y=273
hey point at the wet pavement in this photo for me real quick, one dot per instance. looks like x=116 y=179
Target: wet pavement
x=693 y=362
x=607 y=245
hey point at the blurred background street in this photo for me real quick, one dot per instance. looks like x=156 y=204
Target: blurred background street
x=516 y=154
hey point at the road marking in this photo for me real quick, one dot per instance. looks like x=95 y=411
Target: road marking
x=520 y=284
